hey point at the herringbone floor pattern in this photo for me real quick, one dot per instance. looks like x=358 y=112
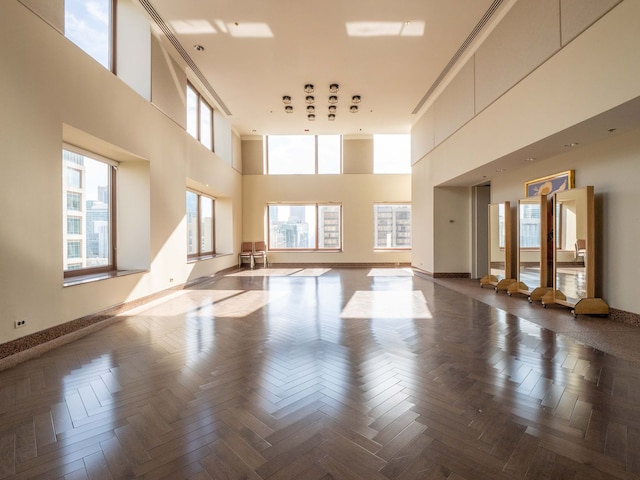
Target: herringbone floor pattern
x=313 y=374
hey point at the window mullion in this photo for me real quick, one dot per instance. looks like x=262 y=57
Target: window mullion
x=316 y=154
x=112 y=204
x=199 y=250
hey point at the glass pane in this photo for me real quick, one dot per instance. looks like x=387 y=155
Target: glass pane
x=192 y=112
x=74 y=177
x=87 y=232
x=292 y=226
x=88 y=25
x=392 y=226
x=74 y=201
x=530 y=225
x=192 y=223
x=206 y=225
x=329 y=226
x=329 y=153
x=392 y=154
x=206 y=127
x=74 y=225
x=291 y=154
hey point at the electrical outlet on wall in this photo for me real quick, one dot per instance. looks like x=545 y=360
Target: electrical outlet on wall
x=19 y=323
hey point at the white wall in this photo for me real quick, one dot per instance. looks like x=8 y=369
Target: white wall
x=54 y=92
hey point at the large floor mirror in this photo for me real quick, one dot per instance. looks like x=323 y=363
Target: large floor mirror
x=534 y=264
x=574 y=253
x=500 y=273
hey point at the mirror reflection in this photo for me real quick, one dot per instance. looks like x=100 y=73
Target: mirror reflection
x=529 y=244
x=571 y=252
x=497 y=242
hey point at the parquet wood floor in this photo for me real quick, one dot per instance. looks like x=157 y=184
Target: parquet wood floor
x=314 y=374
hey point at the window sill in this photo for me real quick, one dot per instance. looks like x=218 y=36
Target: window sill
x=97 y=277
x=206 y=257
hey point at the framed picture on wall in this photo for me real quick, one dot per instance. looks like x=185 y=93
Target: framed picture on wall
x=550 y=184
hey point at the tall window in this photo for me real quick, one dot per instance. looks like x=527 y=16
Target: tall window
x=312 y=226
x=304 y=154
x=90 y=26
x=392 y=154
x=88 y=213
x=200 y=225
x=199 y=118
x=392 y=225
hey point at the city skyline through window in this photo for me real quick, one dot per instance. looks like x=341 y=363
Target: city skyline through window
x=87 y=215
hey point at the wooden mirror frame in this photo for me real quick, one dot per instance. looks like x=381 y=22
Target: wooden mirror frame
x=500 y=284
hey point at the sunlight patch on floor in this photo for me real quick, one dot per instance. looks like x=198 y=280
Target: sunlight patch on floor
x=387 y=304
x=390 y=272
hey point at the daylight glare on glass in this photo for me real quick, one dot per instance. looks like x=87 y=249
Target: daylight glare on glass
x=87 y=24
x=392 y=153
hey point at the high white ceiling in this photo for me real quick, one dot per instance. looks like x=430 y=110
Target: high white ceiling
x=390 y=52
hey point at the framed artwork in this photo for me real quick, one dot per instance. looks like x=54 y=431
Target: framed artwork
x=550 y=184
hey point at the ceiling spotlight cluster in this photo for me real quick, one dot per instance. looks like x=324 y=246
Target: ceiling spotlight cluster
x=310 y=101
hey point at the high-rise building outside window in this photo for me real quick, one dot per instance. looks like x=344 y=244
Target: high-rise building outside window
x=305 y=227
x=88 y=213
x=392 y=226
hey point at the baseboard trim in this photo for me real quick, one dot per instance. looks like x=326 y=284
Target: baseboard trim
x=35 y=344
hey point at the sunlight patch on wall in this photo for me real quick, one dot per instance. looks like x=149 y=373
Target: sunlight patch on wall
x=414 y=28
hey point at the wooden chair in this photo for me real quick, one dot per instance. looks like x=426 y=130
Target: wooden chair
x=246 y=254
x=581 y=248
x=260 y=252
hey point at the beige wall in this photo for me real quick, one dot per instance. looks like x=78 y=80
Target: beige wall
x=53 y=92
x=357 y=192
x=595 y=72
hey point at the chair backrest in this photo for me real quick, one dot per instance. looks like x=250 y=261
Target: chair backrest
x=246 y=247
x=260 y=246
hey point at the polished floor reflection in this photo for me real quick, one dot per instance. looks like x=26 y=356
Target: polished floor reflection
x=325 y=373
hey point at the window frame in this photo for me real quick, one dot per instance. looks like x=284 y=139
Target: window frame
x=111 y=42
x=199 y=100
x=112 y=266
x=316 y=205
x=316 y=158
x=377 y=248
x=199 y=253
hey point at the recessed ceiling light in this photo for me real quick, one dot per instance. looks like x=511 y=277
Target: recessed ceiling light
x=530 y=159
x=286 y=99
x=288 y=109
x=334 y=87
x=353 y=109
x=308 y=88
x=309 y=99
x=311 y=117
x=332 y=117
x=611 y=130
x=356 y=99
x=332 y=109
x=572 y=144
x=198 y=47
x=501 y=170
x=333 y=99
